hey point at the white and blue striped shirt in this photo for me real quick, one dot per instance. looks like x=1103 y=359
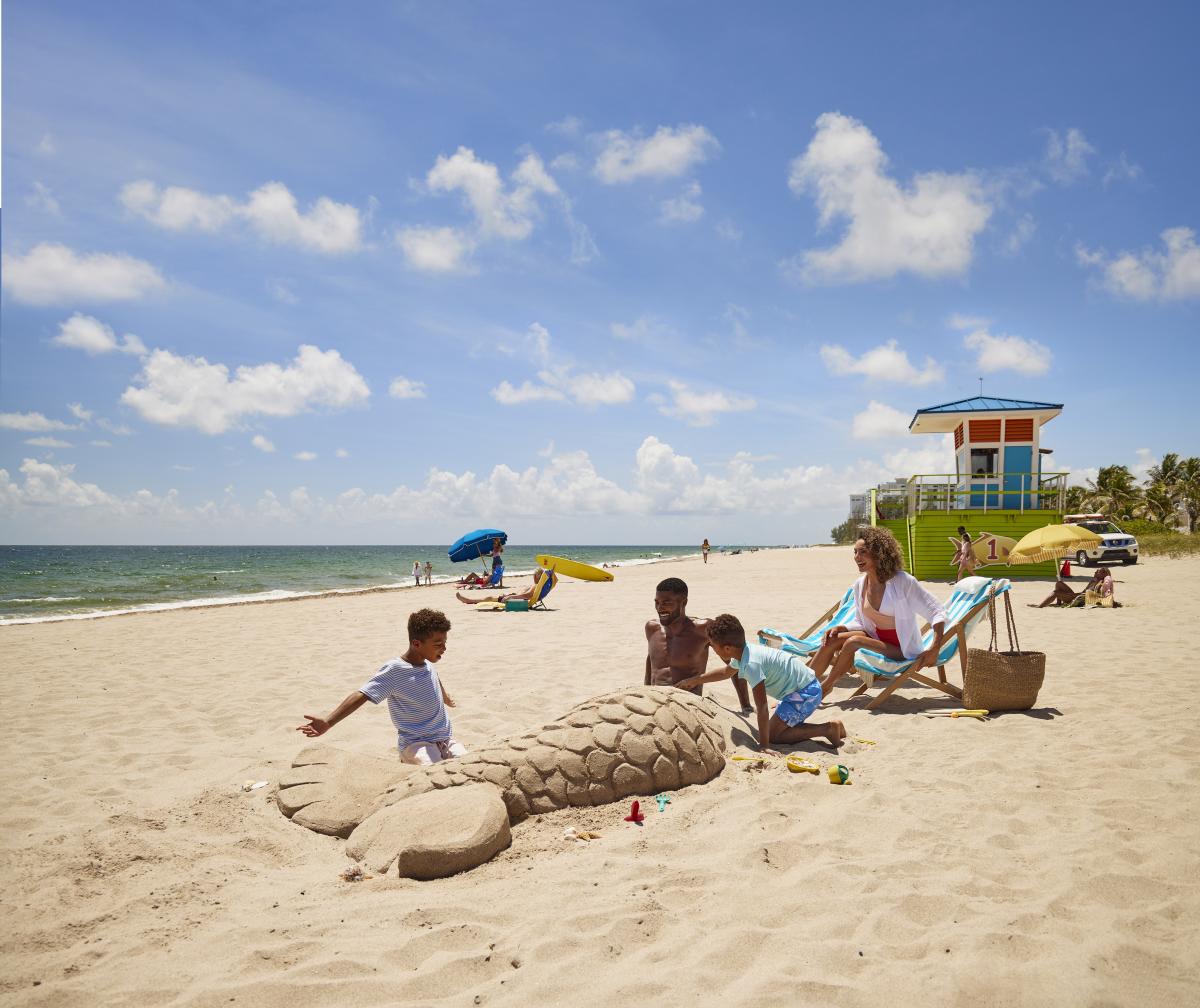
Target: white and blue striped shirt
x=414 y=696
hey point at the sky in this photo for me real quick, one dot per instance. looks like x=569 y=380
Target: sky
x=292 y=272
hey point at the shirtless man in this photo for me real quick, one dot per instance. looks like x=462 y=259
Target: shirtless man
x=677 y=645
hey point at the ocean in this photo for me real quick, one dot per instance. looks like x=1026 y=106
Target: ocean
x=39 y=583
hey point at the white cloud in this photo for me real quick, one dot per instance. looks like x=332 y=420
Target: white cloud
x=927 y=229
x=405 y=388
x=567 y=126
x=1020 y=235
x=879 y=421
x=101 y=444
x=79 y=413
x=48 y=442
x=1173 y=275
x=700 y=407
x=305 y=456
x=1008 y=353
x=728 y=231
x=113 y=428
x=1122 y=170
x=670 y=152
x=53 y=486
x=43 y=199
x=644 y=329
x=263 y=444
x=567 y=162
x=270 y=210
x=1066 y=155
x=498 y=213
x=684 y=208
x=32 y=422
x=883 y=363
x=83 y=332
x=507 y=394
x=191 y=392
x=560 y=382
x=342 y=453
x=47 y=146
x=282 y=292
x=51 y=274
x=435 y=250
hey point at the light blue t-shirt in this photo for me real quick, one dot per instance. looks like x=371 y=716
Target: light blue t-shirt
x=780 y=671
x=414 y=697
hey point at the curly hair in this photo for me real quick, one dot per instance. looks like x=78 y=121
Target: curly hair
x=726 y=629
x=882 y=545
x=425 y=622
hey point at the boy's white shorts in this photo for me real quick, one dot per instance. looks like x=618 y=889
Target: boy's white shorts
x=428 y=753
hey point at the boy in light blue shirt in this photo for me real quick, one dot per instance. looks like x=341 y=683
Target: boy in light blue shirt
x=769 y=673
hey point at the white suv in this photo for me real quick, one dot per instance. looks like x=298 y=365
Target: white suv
x=1115 y=544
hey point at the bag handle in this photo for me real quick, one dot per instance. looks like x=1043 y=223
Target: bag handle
x=1010 y=620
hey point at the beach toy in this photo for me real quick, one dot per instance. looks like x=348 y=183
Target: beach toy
x=663 y=801
x=865 y=741
x=980 y=715
x=839 y=774
x=579 y=836
x=635 y=814
x=798 y=764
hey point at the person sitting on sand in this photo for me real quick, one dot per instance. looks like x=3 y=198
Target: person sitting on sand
x=1064 y=596
x=417 y=700
x=770 y=673
x=888 y=601
x=526 y=595
x=1102 y=590
x=677 y=645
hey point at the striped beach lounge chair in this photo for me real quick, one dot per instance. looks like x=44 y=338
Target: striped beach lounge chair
x=543 y=584
x=966 y=609
x=810 y=641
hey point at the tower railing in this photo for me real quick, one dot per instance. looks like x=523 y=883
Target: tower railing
x=932 y=492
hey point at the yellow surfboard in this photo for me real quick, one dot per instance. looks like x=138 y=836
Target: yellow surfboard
x=574 y=569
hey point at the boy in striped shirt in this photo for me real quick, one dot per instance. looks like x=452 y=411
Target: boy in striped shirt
x=416 y=698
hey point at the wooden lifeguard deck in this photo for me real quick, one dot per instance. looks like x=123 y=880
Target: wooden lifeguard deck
x=998 y=486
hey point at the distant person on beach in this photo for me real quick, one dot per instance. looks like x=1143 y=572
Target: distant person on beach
x=1100 y=591
x=704 y=548
x=964 y=555
x=497 y=549
x=888 y=602
x=428 y=572
x=417 y=572
x=524 y=596
x=417 y=700
x=677 y=645
x=771 y=673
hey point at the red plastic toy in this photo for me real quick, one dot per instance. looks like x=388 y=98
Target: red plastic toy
x=635 y=814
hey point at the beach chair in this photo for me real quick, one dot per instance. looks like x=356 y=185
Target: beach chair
x=543 y=585
x=809 y=642
x=967 y=607
x=543 y=588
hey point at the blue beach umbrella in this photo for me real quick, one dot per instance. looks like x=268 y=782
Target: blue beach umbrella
x=475 y=544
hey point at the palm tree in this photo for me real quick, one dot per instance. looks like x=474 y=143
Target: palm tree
x=1075 y=500
x=1168 y=472
x=1189 y=489
x=1158 y=504
x=1113 y=492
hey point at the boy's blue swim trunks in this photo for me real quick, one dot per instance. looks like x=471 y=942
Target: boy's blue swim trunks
x=797 y=707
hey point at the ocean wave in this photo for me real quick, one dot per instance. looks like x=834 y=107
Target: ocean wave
x=44 y=598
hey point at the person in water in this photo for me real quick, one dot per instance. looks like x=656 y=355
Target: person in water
x=887 y=604
x=677 y=644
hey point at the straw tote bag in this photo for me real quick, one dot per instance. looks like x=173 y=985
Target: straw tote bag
x=998 y=680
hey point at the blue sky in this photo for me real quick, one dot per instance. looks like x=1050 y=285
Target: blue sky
x=592 y=273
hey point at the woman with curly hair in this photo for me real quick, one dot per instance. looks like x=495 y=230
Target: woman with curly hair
x=888 y=602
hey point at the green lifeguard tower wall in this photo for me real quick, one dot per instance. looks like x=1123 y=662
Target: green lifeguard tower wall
x=998 y=486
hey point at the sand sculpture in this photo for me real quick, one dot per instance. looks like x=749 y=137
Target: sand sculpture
x=429 y=822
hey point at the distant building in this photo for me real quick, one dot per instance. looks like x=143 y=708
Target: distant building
x=858 y=506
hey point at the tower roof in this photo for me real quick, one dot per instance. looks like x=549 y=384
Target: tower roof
x=934 y=419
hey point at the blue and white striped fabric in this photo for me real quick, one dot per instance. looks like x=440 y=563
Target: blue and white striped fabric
x=414 y=696
x=968 y=593
x=805 y=646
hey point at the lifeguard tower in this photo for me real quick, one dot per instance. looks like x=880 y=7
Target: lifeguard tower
x=997 y=486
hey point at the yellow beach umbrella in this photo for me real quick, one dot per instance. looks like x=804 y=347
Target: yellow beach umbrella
x=1051 y=542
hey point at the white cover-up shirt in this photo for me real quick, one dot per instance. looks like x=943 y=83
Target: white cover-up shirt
x=904 y=598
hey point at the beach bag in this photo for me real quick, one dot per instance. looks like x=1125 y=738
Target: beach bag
x=998 y=680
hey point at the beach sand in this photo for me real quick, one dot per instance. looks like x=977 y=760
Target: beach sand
x=1042 y=858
